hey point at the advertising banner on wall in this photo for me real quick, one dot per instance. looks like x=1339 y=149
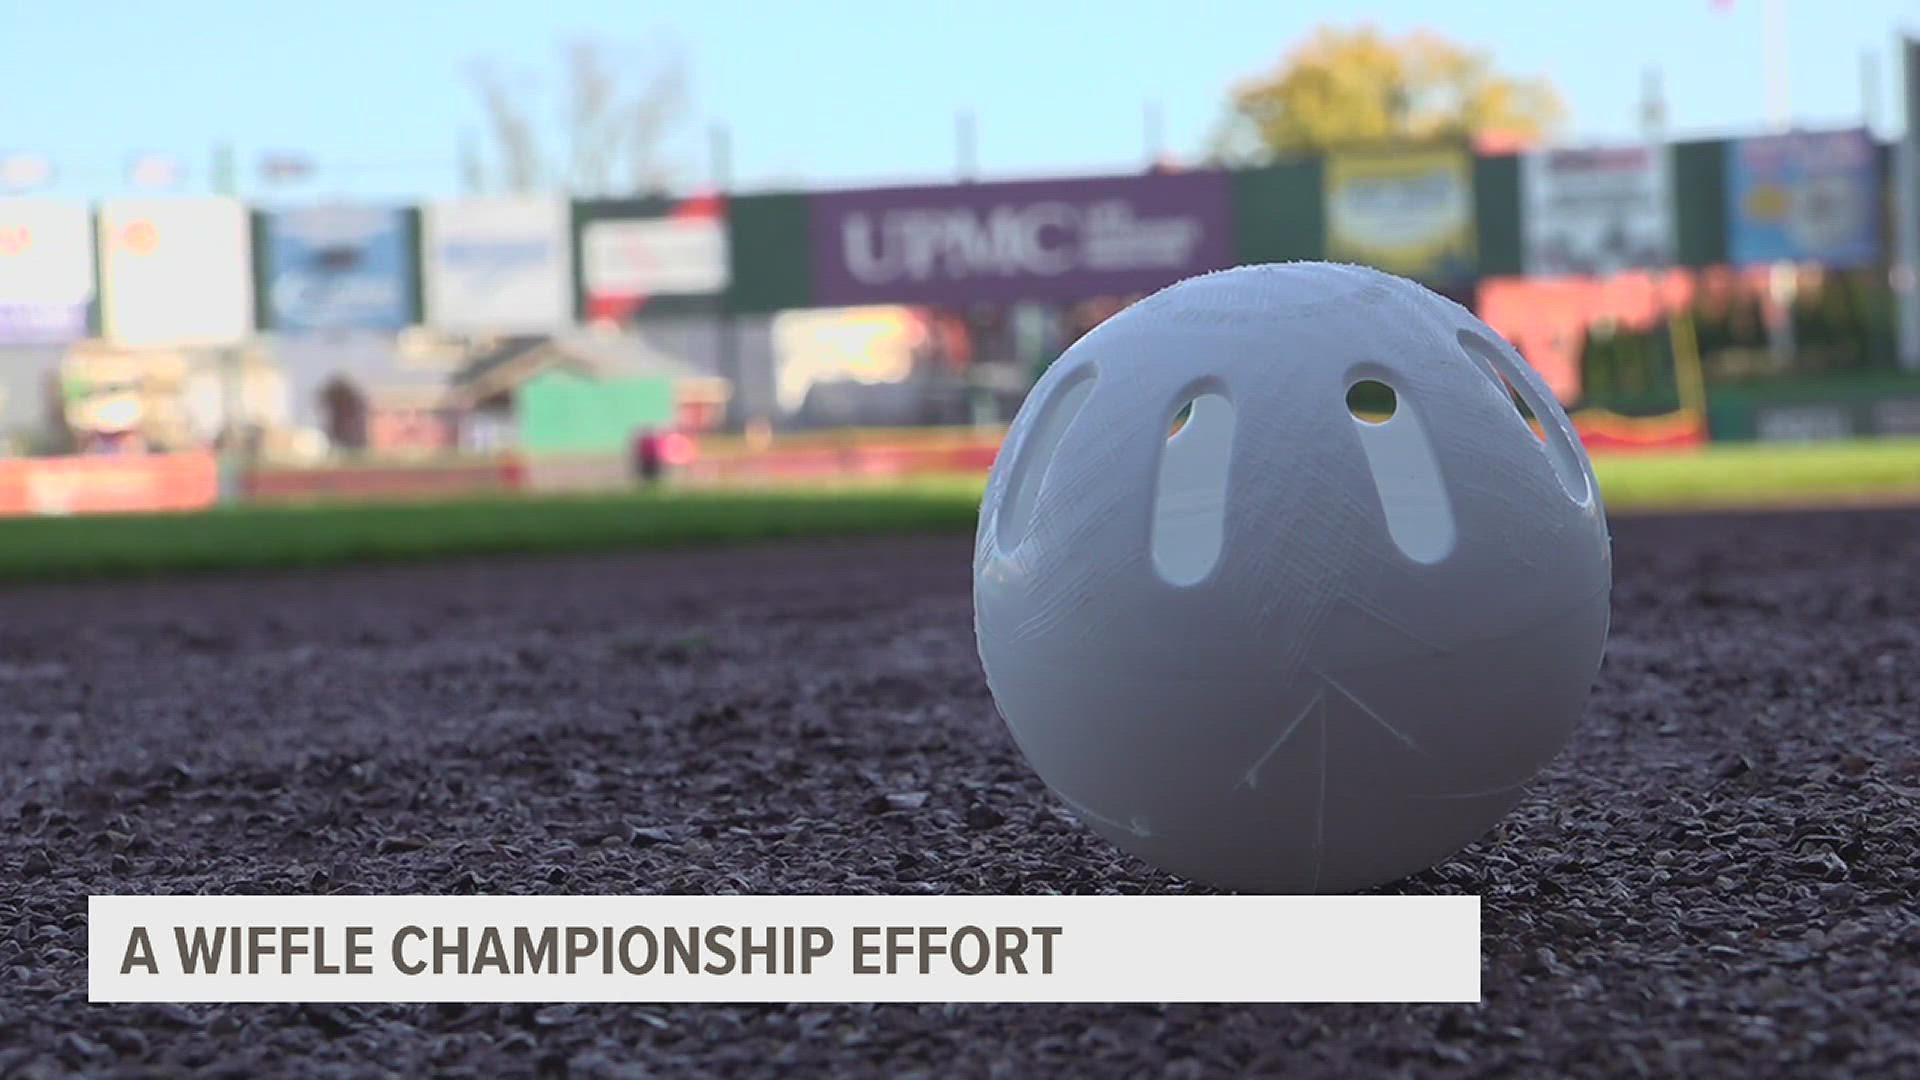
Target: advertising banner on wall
x=497 y=265
x=1803 y=197
x=176 y=271
x=1026 y=240
x=339 y=268
x=46 y=271
x=108 y=483
x=636 y=252
x=1407 y=212
x=1597 y=210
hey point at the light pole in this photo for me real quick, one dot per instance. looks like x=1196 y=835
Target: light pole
x=1905 y=271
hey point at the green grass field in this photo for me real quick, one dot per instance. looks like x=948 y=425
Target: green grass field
x=244 y=536
x=1761 y=474
x=282 y=536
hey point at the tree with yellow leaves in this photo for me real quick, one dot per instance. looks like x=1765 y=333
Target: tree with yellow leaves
x=1351 y=87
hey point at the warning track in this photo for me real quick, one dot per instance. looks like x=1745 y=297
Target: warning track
x=1719 y=878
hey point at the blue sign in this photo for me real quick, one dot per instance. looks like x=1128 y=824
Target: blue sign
x=339 y=268
x=1803 y=197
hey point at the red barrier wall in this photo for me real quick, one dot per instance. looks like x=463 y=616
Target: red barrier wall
x=883 y=457
x=380 y=482
x=108 y=483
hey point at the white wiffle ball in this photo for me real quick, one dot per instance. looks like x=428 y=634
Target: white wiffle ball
x=1290 y=648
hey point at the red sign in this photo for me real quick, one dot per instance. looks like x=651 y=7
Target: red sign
x=108 y=483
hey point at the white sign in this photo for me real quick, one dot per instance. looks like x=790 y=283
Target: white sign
x=639 y=257
x=784 y=948
x=176 y=271
x=1597 y=210
x=46 y=252
x=497 y=265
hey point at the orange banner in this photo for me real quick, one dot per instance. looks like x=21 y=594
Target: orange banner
x=1604 y=432
x=884 y=454
x=106 y=483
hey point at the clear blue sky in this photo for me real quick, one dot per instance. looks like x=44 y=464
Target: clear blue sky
x=827 y=92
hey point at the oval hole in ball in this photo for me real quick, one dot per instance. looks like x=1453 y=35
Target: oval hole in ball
x=1180 y=419
x=1034 y=457
x=1535 y=409
x=1371 y=401
x=1405 y=475
x=1190 y=500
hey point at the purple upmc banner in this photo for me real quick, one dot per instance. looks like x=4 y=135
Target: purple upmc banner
x=1028 y=240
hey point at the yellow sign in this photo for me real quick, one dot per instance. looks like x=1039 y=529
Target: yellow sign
x=1408 y=212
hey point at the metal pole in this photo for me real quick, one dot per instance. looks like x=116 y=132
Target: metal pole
x=1782 y=283
x=720 y=158
x=1682 y=343
x=726 y=330
x=472 y=173
x=1869 y=89
x=1905 y=271
x=221 y=176
x=233 y=454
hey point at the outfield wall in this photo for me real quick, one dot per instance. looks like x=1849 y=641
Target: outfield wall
x=387 y=481
x=191 y=481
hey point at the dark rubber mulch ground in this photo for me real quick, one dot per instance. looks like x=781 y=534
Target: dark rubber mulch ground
x=1718 y=879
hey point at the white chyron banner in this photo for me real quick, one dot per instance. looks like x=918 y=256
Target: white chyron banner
x=176 y=271
x=497 y=265
x=784 y=948
x=1597 y=210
